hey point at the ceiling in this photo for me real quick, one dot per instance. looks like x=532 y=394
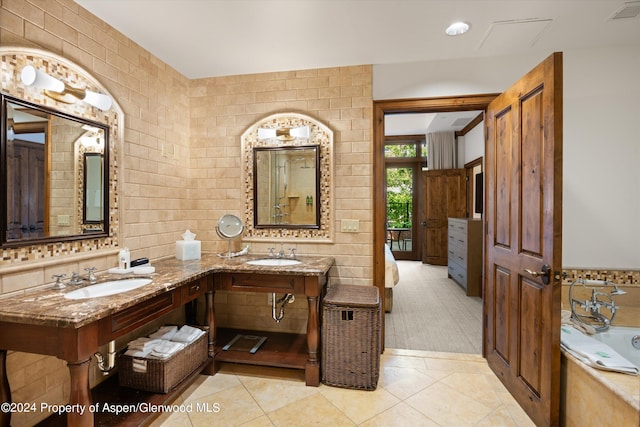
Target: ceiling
x=209 y=38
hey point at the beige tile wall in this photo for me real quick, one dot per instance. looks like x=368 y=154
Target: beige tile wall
x=180 y=161
x=223 y=109
x=152 y=187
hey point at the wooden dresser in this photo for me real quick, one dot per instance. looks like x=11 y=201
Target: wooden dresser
x=465 y=254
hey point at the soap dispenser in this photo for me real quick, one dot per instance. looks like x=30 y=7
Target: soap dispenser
x=124 y=259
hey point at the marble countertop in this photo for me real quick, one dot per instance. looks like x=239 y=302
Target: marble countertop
x=48 y=307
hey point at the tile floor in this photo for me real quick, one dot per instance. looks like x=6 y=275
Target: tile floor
x=416 y=388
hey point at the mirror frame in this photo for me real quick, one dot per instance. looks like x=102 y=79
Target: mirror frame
x=317 y=198
x=4 y=99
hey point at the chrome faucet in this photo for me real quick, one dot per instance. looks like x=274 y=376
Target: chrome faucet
x=593 y=305
x=59 y=284
x=75 y=279
x=91 y=276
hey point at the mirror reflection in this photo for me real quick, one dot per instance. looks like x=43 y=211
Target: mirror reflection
x=286 y=187
x=55 y=176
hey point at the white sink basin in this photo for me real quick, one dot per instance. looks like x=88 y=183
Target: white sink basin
x=276 y=262
x=104 y=289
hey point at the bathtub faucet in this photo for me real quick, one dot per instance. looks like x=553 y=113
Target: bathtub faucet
x=598 y=301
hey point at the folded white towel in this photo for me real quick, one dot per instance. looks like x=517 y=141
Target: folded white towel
x=187 y=334
x=165 y=332
x=138 y=353
x=143 y=344
x=593 y=352
x=139 y=365
x=166 y=349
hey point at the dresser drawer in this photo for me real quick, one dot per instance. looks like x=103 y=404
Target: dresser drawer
x=194 y=289
x=248 y=282
x=458 y=274
x=458 y=225
x=138 y=315
x=458 y=255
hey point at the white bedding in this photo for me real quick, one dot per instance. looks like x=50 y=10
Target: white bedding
x=391 y=275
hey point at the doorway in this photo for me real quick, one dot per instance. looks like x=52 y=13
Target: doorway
x=390 y=107
x=404 y=158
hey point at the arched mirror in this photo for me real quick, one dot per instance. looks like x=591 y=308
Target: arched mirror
x=54 y=179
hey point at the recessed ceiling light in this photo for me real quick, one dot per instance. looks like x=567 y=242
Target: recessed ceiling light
x=457 y=28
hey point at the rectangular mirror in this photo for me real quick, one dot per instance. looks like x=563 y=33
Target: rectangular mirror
x=93 y=212
x=54 y=175
x=286 y=187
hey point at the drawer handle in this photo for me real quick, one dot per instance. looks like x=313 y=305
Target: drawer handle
x=196 y=288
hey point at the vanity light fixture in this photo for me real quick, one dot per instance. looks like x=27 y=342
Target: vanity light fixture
x=91 y=141
x=62 y=92
x=457 y=28
x=284 y=134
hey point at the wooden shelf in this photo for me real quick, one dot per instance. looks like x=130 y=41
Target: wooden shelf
x=280 y=349
x=110 y=392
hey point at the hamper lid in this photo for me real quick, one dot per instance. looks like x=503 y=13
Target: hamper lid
x=353 y=296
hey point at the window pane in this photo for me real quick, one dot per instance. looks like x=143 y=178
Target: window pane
x=400 y=150
x=399 y=207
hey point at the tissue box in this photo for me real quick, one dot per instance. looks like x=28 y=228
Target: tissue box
x=187 y=249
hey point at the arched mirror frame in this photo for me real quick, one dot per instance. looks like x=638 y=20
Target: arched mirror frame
x=12 y=61
x=321 y=136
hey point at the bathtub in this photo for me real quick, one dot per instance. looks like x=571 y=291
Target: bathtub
x=595 y=397
x=619 y=338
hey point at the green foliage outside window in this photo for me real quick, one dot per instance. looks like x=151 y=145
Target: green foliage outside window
x=399 y=197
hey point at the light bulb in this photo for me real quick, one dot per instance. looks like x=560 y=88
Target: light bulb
x=31 y=76
x=98 y=100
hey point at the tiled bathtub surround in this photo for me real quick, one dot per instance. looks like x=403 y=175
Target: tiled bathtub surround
x=621 y=277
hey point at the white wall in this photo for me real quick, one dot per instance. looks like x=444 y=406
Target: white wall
x=474 y=143
x=601 y=192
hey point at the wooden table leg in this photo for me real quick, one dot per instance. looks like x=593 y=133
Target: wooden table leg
x=80 y=395
x=312 y=368
x=5 y=391
x=210 y=319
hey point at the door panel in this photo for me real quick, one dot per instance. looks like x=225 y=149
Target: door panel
x=523 y=232
x=444 y=196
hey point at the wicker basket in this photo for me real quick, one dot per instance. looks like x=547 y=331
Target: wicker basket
x=162 y=376
x=351 y=334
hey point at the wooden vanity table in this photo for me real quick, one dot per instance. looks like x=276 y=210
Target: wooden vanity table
x=44 y=322
x=280 y=349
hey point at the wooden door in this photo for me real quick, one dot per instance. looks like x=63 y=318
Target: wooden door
x=444 y=196
x=25 y=190
x=523 y=237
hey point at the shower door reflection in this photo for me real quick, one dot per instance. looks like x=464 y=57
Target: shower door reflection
x=286 y=187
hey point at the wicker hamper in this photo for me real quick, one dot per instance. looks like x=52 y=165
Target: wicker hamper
x=162 y=376
x=351 y=333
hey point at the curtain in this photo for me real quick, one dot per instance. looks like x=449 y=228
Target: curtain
x=442 y=150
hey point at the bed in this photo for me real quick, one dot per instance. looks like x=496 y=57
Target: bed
x=391 y=277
